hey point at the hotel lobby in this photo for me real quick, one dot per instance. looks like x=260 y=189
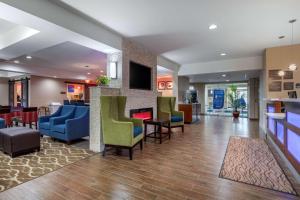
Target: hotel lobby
x=149 y=100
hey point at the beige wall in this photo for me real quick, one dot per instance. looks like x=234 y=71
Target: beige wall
x=253 y=98
x=200 y=87
x=280 y=58
x=183 y=86
x=44 y=90
x=3 y=91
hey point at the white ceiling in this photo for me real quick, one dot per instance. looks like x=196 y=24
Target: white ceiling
x=56 y=51
x=63 y=61
x=230 y=77
x=8 y=74
x=6 y=26
x=11 y=33
x=178 y=29
x=164 y=72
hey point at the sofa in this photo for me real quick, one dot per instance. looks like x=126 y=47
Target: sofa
x=71 y=127
x=44 y=122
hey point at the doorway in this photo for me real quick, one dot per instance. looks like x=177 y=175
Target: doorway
x=18 y=92
x=217 y=99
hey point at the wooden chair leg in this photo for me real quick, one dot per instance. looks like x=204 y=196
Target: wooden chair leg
x=141 y=144
x=104 y=151
x=182 y=128
x=130 y=153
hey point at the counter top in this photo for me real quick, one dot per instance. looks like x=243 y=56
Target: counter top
x=276 y=115
x=284 y=100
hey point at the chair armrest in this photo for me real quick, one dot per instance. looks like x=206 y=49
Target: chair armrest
x=119 y=133
x=43 y=119
x=60 y=120
x=164 y=115
x=78 y=127
x=178 y=113
x=47 y=118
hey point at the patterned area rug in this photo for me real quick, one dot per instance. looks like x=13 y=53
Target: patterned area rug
x=250 y=161
x=53 y=155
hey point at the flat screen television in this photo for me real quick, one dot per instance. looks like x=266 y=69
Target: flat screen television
x=140 y=76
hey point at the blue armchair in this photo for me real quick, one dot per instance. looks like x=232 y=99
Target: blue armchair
x=46 y=121
x=71 y=127
x=2 y=123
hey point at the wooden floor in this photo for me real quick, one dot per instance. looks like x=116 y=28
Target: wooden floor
x=186 y=167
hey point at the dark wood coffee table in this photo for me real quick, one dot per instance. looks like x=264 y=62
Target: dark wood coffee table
x=157 y=133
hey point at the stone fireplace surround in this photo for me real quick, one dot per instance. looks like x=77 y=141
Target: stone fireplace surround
x=136 y=99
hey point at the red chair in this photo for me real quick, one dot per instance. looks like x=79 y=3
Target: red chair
x=29 y=118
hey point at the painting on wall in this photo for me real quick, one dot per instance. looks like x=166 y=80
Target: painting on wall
x=71 y=88
x=273 y=74
x=161 y=85
x=288 y=75
x=169 y=85
x=275 y=86
x=288 y=85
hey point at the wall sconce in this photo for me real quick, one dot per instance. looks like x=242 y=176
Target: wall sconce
x=113 y=71
x=281 y=73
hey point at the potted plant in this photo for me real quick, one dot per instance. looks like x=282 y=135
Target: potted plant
x=234 y=100
x=102 y=80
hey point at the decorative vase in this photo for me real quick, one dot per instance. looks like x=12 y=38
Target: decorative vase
x=236 y=114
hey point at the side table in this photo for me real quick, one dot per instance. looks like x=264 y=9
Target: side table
x=157 y=133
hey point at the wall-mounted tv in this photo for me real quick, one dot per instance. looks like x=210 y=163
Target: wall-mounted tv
x=140 y=76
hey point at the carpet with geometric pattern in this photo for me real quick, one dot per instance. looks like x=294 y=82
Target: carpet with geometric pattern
x=52 y=156
x=250 y=161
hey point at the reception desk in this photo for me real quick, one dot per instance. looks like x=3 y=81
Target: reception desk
x=284 y=127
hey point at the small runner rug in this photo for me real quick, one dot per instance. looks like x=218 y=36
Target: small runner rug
x=250 y=161
x=53 y=155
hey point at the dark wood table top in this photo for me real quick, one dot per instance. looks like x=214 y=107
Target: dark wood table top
x=156 y=121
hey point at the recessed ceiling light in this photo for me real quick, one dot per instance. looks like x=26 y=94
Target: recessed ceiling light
x=28 y=57
x=16 y=61
x=212 y=27
x=54 y=76
x=227 y=80
x=223 y=54
x=88 y=73
x=101 y=71
x=224 y=75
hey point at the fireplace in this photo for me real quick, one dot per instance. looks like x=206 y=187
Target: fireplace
x=142 y=113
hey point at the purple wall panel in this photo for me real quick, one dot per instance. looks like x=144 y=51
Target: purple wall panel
x=293 y=144
x=271 y=125
x=280 y=132
x=294 y=119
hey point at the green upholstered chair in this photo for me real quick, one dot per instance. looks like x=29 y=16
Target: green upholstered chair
x=166 y=111
x=118 y=130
